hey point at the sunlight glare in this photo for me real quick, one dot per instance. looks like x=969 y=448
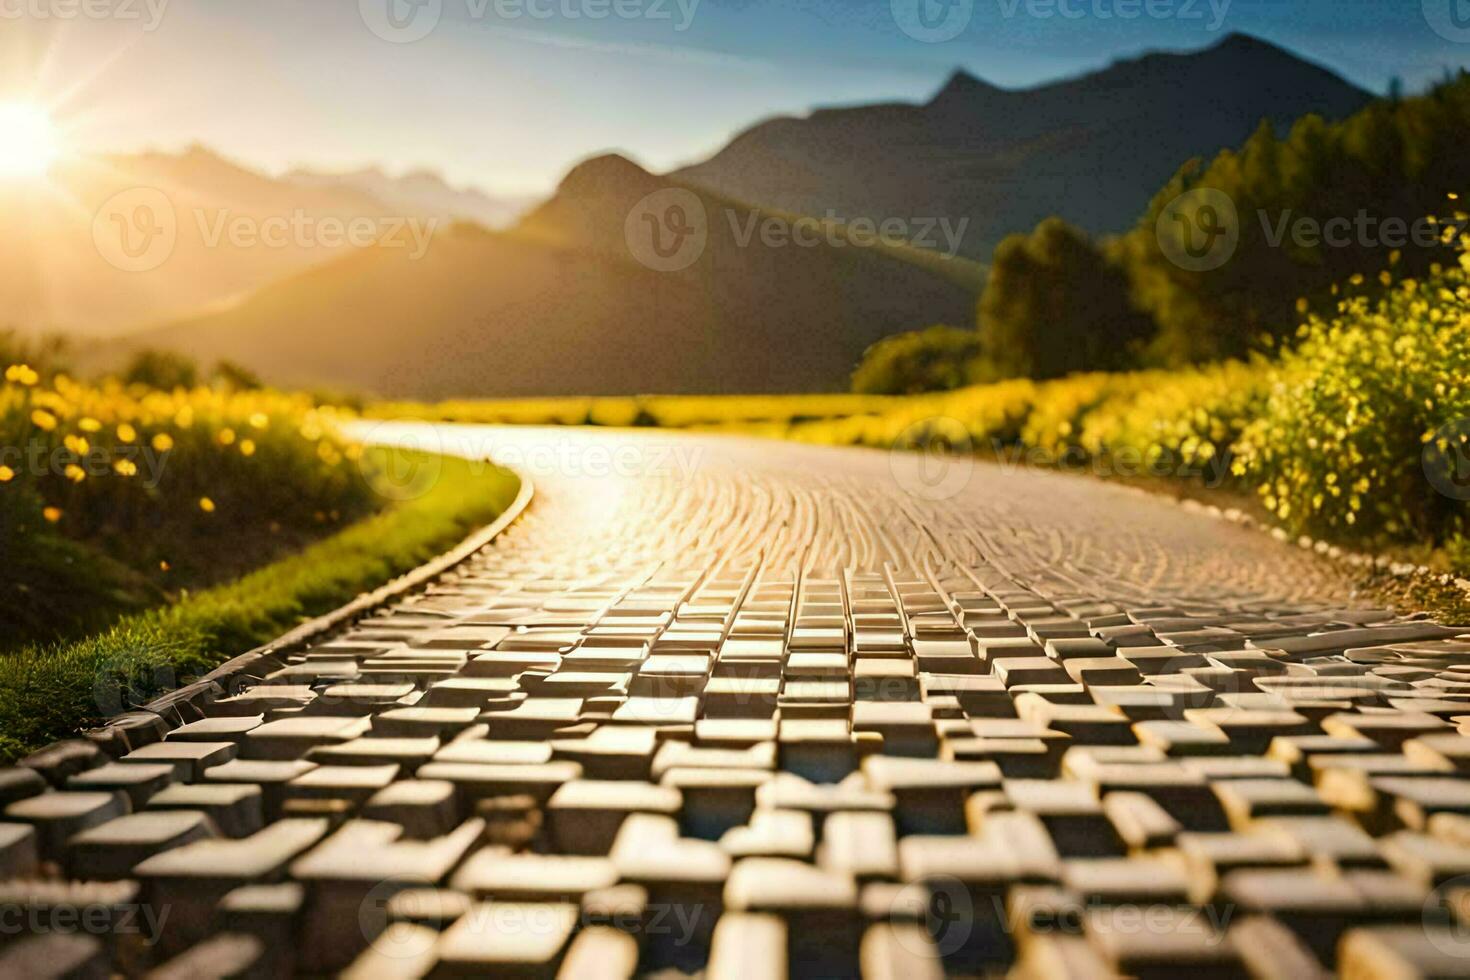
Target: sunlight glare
x=28 y=140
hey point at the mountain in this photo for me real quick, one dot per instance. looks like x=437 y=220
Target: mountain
x=1091 y=149
x=577 y=298
x=422 y=192
x=236 y=230
x=625 y=282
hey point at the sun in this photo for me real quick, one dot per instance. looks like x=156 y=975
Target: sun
x=29 y=142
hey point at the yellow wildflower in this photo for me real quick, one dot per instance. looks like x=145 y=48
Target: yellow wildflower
x=126 y=433
x=43 y=420
x=22 y=374
x=52 y=514
x=206 y=505
x=74 y=473
x=125 y=467
x=6 y=474
x=163 y=442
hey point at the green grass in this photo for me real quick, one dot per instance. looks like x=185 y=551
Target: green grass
x=53 y=691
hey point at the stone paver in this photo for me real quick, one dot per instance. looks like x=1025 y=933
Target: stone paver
x=784 y=713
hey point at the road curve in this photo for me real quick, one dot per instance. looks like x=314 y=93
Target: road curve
x=719 y=502
x=724 y=707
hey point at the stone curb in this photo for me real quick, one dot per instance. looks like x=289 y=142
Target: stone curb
x=1359 y=560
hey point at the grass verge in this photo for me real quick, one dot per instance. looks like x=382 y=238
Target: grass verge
x=53 y=691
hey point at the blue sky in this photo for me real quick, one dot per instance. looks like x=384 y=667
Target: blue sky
x=507 y=94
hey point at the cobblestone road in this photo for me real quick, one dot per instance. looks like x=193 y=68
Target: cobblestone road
x=754 y=709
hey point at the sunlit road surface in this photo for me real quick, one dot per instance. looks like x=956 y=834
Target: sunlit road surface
x=722 y=707
x=720 y=502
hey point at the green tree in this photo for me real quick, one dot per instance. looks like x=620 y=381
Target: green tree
x=1313 y=209
x=1054 y=304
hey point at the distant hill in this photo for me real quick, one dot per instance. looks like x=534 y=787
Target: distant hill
x=422 y=192
x=57 y=278
x=1091 y=149
x=562 y=304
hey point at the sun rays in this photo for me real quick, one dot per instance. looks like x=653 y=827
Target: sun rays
x=30 y=142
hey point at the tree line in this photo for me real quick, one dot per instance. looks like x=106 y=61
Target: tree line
x=1223 y=261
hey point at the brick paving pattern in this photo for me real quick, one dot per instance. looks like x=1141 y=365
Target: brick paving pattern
x=782 y=714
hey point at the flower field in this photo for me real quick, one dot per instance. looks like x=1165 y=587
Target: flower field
x=148 y=535
x=114 y=497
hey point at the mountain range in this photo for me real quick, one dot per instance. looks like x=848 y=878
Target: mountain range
x=421 y=192
x=1092 y=149
x=560 y=303
x=58 y=278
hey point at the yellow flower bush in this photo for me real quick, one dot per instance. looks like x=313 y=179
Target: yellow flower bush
x=1357 y=429
x=133 y=475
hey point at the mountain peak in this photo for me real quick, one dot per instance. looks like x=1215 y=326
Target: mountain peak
x=425 y=175
x=1241 y=41
x=1239 y=46
x=604 y=170
x=962 y=88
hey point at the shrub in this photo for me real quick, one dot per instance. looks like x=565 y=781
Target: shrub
x=237 y=377
x=937 y=359
x=1178 y=423
x=161 y=369
x=1362 y=412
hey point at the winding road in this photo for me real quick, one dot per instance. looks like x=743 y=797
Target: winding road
x=721 y=706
